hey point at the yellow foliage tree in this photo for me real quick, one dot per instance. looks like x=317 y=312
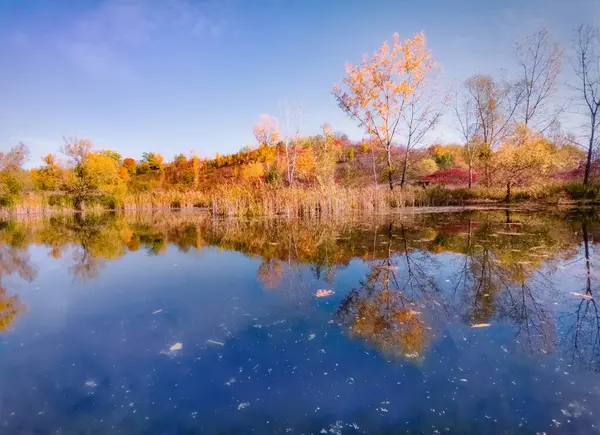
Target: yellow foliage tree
x=523 y=157
x=252 y=171
x=377 y=90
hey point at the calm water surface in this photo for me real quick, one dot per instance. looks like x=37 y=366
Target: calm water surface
x=480 y=322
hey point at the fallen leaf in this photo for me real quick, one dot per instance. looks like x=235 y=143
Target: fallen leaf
x=324 y=293
x=176 y=346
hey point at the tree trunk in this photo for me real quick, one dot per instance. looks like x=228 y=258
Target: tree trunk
x=470 y=172
x=389 y=168
x=374 y=165
x=404 y=165
x=588 y=163
x=507 y=199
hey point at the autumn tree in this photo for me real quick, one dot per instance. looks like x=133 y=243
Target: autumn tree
x=377 y=91
x=130 y=165
x=12 y=175
x=523 y=157
x=540 y=63
x=587 y=69
x=494 y=104
x=49 y=176
x=266 y=130
x=327 y=152
x=93 y=174
x=423 y=109
x=468 y=124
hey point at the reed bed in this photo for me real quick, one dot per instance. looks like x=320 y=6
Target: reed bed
x=241 y=200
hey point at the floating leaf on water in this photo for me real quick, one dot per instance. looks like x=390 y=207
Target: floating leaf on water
x=176 y=347
x=215 y=342
x=390 y=268
x=324 y=293
x=581 y=295
x=480 y=325
x=157 y=311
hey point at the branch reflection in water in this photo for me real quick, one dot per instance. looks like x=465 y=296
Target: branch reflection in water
x=423 y=271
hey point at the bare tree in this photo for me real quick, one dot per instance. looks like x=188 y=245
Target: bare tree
x=291 y=133
x=468 y=127
x=422 y=110
x=13 y=159
x=539 y=59
x=587 y=68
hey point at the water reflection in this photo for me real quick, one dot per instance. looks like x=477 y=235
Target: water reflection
x=402 y=284
x=502 y=263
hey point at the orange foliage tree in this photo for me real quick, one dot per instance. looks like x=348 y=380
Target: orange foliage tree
x=378 y=90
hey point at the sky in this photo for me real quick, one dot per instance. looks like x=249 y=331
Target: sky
x=181 y=76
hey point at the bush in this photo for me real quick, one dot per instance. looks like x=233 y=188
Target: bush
x=578 y=191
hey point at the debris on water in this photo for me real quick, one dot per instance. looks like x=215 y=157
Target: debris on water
x=157 y=311
x=176 y=347
x=581 y=295
x=480 y=325
x=230 y=382
x=388 y=268
x=312 y=336
x=243 y=405
x=91 y=384
x=324 y=293
x=215 y=342
x=463 y=380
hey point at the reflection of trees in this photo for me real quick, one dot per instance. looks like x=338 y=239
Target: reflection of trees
x=10 y=308
x=383 y=310
x=499 y=265
x=14 y=259
x=270 y=273
x=583 y=336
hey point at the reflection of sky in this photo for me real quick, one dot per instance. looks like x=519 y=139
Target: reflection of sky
x=104 y=333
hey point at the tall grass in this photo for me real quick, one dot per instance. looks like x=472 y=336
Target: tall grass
x=302 y=201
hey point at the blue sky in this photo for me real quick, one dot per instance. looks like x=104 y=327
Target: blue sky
x=194 y=75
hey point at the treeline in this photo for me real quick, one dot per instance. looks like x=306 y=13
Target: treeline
x=512 y=140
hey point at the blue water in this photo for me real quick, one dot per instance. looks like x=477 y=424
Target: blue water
x=197 y=342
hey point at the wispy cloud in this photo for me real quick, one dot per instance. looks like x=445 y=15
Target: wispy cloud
x=99 y=41
x=19 y=38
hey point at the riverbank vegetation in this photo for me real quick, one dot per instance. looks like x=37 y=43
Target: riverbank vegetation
x=513 y=147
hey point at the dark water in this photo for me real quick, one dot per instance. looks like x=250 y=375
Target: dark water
x=480 y=322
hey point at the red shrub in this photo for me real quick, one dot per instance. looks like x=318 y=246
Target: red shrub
x=452 y=176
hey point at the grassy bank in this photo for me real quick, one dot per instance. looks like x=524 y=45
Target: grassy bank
x=267 y=200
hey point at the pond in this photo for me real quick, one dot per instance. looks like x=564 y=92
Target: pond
x=174 y=323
